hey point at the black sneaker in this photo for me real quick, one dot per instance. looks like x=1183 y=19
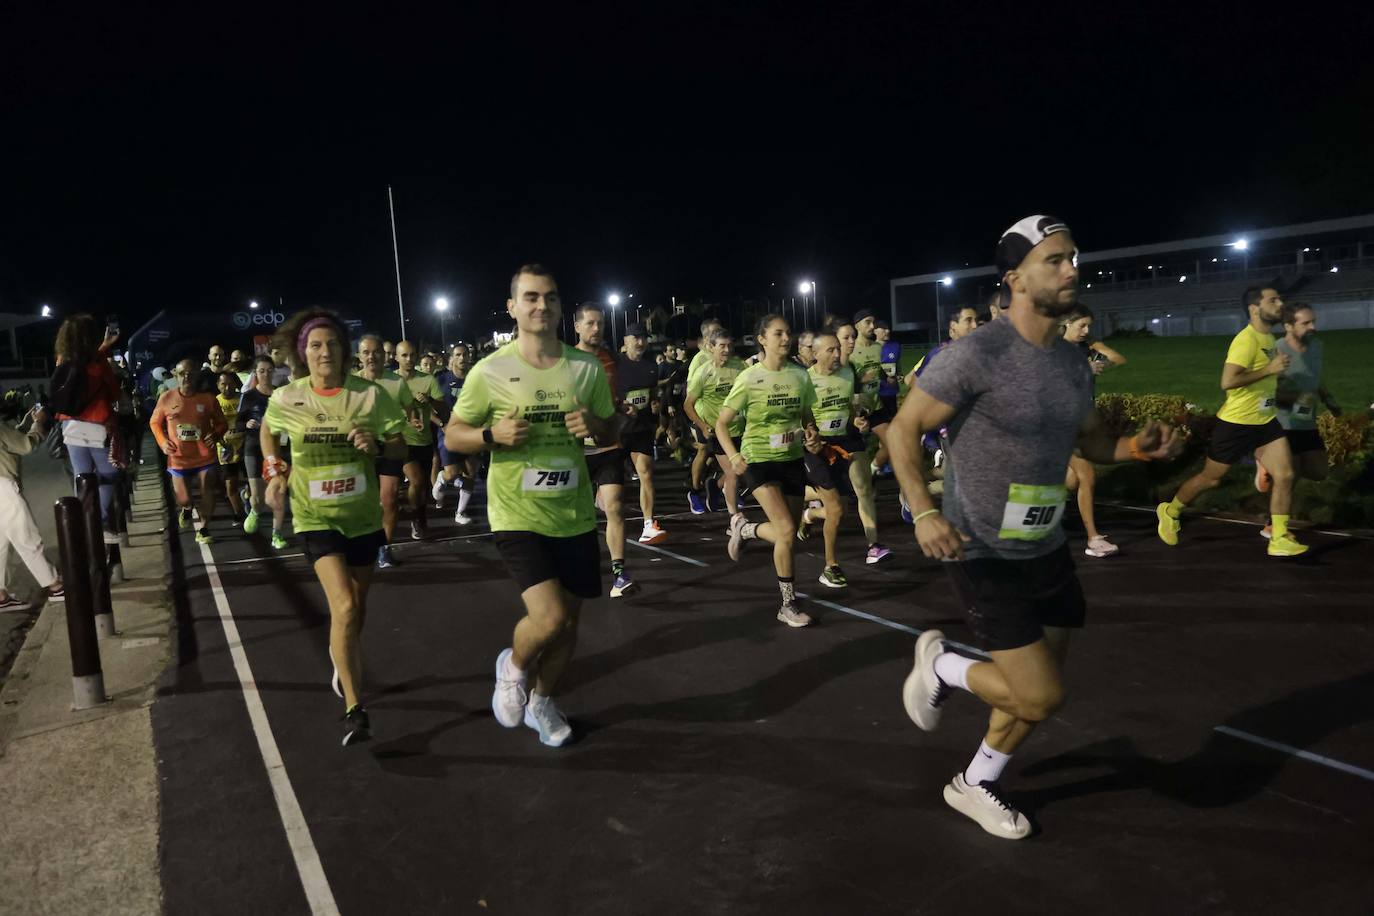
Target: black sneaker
x=357 y=728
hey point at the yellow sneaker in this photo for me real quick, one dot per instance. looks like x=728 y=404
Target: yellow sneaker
x=1286 y=546
x=1168 y=525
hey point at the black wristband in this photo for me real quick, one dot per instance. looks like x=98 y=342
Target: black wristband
x=487 y=437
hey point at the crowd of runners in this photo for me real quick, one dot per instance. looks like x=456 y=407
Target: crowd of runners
x=996 y=428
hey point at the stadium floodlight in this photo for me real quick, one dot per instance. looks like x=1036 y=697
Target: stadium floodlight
x=441 y=304
x=805 y=287
x=613 y=299
x=253 y=304
x=1335 y=269
x=947 y=280
x=1305 y=250
x=1241 y=244
x=1183 y=279
x=46 y=311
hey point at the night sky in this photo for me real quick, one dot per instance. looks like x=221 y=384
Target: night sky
x=703 y=151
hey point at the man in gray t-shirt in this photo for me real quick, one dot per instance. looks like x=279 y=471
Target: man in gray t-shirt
x=1017 y=400
x=1300 y=389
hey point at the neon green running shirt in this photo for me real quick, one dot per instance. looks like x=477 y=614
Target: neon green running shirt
x=541 y=486
x=710 y=386
x=421 y=383
x=772 y=404
x=333 y=486
x=834 y=401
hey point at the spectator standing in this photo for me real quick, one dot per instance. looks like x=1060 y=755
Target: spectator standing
x=85 y=405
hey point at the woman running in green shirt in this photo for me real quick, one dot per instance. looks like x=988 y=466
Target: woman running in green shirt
x=706 y=393
x=337 y=424
x=775 y=397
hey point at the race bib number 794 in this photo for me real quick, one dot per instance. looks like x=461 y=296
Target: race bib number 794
x=1032 y=512
x=550 y=482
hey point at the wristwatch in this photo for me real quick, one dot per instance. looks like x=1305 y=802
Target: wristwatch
x=487 y=437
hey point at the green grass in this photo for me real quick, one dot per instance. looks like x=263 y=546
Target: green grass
x=1191 y=367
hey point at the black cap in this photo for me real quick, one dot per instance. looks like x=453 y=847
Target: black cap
x=635 y=329
x=861 y=314
x=881 y=323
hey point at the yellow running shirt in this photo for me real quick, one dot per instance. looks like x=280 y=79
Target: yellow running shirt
x=1250 y=405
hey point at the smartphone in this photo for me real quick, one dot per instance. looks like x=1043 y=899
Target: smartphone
x=111 y=325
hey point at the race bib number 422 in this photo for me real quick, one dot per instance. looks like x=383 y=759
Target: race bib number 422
x=1032 y=512
x=338 y=484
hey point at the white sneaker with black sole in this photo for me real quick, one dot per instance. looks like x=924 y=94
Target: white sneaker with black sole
x=985 y=806
x=923 y=693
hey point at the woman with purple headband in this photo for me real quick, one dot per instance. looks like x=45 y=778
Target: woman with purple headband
x=337 y=424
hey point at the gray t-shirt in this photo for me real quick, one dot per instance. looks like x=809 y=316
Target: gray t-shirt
x=1019 y=409
x=1299 y=383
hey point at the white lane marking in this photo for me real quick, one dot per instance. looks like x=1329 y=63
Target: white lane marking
x=1288 y=749
x=270 y=556
x=667 y=553
x=317 y=891
x=1297 y=752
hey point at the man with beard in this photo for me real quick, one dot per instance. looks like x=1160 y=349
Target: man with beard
x=1300 y=388
x=1247 y=424
x=999 y=527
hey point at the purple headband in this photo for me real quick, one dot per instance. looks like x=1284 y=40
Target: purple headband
x=309 y=326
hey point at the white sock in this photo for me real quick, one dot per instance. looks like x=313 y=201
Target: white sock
x=987 y=765
x=464 y=495
x=952 y=668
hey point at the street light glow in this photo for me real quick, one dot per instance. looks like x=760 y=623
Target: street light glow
x=253 y=304
x=806 y=287
x=47 y=311
x=613 y=299
x=1240 y=244
x=441 y=304
x=947 y=280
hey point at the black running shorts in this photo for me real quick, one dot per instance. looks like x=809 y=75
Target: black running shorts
x=1010 y=602
x=1302 y=441
x=823 y=475
x=640 y=441
x=718 y=449
x=882 y=415
x=1233 y=441
x=423 y=455
x=789 y=476
x=358 y=551
x=607 y=469
x=390 y=467
x=534 y=558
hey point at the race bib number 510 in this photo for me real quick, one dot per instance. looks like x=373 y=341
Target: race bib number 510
x=1031 y=512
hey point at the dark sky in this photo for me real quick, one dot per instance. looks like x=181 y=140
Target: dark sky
x=687 y=149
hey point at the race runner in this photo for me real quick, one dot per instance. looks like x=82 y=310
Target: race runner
x=605 y=464
x=827 y=471
x=635 y=378
x=531 y=403
x=1246 y=423
x=419 y=434
x=999 y=531
x=187 y=424
x=230 y=451
x=698 y=496
x=252 y=408
x=1082 y=476
x=775 y=397
x=860 y=468
x=867 y=363
x=706 y=395
x=455 y=469
x=1300 y=388
x=336 y=423
x=389 y=469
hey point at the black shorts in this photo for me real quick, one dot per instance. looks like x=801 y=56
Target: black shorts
x=883 y=414
x=232 y=469
x=534 y=558
x=358 y=551
x=1233 y=441
x=700 y=439
x=1302 y=441
x=423 y=455
x=607 y=469
x=790 y=476
x=390 y=467
x=1010 y=602
x=889 y=404
x=716 y=448
x=823 y=475
x=252 y=458
x=638 y=440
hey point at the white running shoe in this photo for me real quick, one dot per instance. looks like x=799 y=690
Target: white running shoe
x=544 y=717
x=652 y=534
x=1100 y=547
x=985 y=805
x=461 y=519
x=923 y=692
x=438 y=492
x=737 y=523
x=789 y=615
x=509 y=699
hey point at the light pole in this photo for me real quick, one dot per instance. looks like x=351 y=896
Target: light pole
x=613 y=300
x=939 y=316
x=441 y=306
x=807 y=288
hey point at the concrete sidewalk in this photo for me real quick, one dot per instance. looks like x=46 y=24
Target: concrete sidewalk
x=79 y=831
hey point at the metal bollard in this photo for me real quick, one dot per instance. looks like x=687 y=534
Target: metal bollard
x=88 y=682
x=115 y=565
x=98 y=574
x=120 y=508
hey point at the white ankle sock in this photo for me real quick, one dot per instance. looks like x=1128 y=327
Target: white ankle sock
x=987 y=765
x=464 y=496
x=952 y=668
